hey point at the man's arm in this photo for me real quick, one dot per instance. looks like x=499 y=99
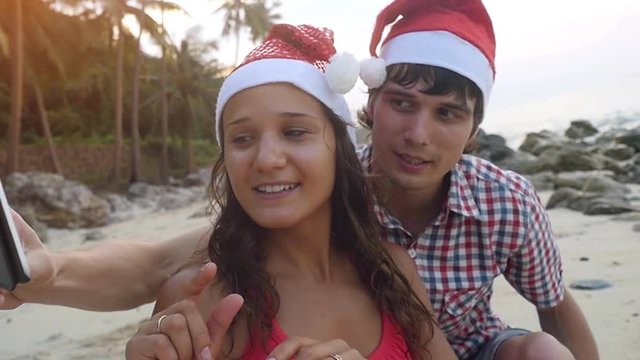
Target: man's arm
x=566 y=323
x=535 y=270
x=113 y=275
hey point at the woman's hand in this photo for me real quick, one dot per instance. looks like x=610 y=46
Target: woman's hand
x=179 y=331
x=172 y=334
x=302 y=348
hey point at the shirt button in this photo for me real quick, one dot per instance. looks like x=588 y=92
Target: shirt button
x=413 y=253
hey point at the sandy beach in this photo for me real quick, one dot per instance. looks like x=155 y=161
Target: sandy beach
x=592 y=247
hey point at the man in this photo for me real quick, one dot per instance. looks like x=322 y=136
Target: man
x=462 y=219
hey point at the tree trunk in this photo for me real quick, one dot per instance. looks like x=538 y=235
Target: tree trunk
x=17 y=76
x=188 y=135
x=42 y=111
x=237 y=46
x=118 y=106
x=164 y=160
x=135 y=111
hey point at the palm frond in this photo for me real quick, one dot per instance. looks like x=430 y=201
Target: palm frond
x=260 y=17
x=164 y=5
x=39 y=37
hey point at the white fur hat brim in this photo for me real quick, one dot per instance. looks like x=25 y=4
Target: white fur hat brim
x=268 y=71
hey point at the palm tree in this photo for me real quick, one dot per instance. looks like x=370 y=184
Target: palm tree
x=116 y=10
x=117 y=152
x=159 y=34
x=260 y=17
x=255 y=15
x=135 y=112
x=46 y=129
x=39 y=54
x=17 y=77
x=197 y=81
x=164 y=117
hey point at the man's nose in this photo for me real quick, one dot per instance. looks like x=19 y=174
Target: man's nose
x=419 y=129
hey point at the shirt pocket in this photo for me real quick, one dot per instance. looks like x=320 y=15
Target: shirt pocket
x=462 y=309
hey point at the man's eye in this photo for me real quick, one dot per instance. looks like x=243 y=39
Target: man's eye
x=447 y=114
x=401 y=104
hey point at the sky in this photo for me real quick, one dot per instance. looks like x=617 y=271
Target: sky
x=556 y=61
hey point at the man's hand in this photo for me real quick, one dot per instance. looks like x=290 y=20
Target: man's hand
x=187 y=283
x=41 y=266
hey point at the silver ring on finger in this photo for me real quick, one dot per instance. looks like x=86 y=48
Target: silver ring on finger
x=335 y=357
x=159 y=324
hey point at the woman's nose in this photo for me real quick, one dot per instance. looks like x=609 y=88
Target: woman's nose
x=270 y=154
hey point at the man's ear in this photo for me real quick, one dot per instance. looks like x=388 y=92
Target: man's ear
x=369 y=108
x=471 y=144
x=474 y=133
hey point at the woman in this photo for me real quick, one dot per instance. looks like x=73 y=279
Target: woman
x=295 y=235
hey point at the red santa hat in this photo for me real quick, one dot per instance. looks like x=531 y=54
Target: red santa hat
x=452 y=34
x=303 y=56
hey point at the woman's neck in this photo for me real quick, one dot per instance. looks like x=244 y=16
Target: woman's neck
x=304 y=251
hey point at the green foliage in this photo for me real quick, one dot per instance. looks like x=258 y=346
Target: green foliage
x=66 y=120
x=70 y=52
x=204 y=151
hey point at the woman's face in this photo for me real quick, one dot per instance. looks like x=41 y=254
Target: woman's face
x=279 y=152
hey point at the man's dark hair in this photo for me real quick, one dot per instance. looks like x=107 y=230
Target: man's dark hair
x=437 y=80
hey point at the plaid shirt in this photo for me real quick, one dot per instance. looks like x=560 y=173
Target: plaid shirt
x=491 y=224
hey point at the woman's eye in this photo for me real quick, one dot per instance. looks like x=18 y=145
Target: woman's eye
x=295 y=132
x=240 y=139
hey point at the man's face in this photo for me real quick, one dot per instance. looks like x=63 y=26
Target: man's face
x=418 y=138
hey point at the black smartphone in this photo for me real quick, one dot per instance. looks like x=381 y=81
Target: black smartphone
x=13 y=262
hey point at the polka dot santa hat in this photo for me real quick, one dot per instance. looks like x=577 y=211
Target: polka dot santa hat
x=303 y=56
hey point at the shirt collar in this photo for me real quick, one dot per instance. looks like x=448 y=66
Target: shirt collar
x=460 y=198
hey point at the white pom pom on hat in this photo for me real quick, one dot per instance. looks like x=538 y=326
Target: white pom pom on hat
x=373 y=72
x=342 y=72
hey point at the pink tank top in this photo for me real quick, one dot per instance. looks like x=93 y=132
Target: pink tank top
x=392 y=345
